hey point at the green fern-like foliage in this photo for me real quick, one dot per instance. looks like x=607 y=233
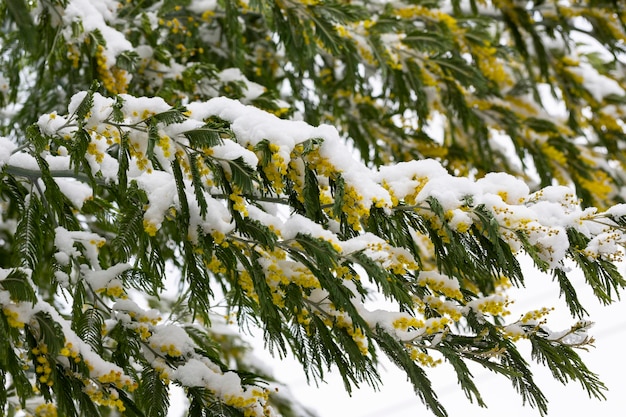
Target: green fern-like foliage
x=174 y=173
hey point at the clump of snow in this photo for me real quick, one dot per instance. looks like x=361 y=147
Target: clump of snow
x=137 y=108
x=404 y=177
x=231 y=151
x=76 y=191
x=169 y=338
x=252 y=89
x=102 y=278
x=64 y=241
x=53 y=124
x=160 y=188
x=297 y=224
x=511 y=189
x=129 y=306
x=101 y=109
x=201 y=6
x=618 y=210
x=94 y=16
x=7 y=147
x=597 y=84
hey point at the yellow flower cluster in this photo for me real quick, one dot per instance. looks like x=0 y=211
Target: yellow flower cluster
x=203 y=169
x=405 y=322
x=599 y=185
x=304 y=318
x=92 y=149
x=143 y=323
x=340 y=320
x=460 y=226
x=394 y=198
x=114 y=289
x=13 y=317
x=353 y=207
x=436 y=325
x=309 y=2
x=176 y=26
x=161 y=366
x=443 y=307
x=342 y=271
x=150 y=228
x=535 y=315
x=143 y=331
x=353 y=203
x=496 y=306
x=556 y=157
x=393 y=259
x=295 y=174
x=612 y=248
x=106 y=132
x=207 y=15
x=285 y=273
x=440 y=286
x=43 y=368
x=239 y=401
x=355 y=333
x=109 y=398
x=423 y=358
x=276 y=169
x=73 y=54
x=114 y=79
x=239 y=203
x=246 y=284
x=46 y=410
x=215 y=265
x=401 y=263
x=141 y=160
x=69 y=351
x=610 y=21
x=412 y=12
x=245 y=403
x=513 y=333
x=490 y=65
x=165 y=144
x=342 y=31
x=170 y=350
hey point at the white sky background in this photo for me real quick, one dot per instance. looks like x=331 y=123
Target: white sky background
x=396 y=397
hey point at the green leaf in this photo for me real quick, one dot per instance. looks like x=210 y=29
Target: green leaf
x=12 y=363
x=49 y=332
x=127 y=60
x=28 y=235
x=242 y=175
x=463 y=374
x=117 y=116
x=196 y=181
x=18 y=285
x=338 y=188
x=183 y=217
x=85 y=106
x=566 y=365
x=311 y=194
x=203 y=137
x=422 y=385
x=152 y=395
x=571 y=296
x=20 y=13
x=88 y=326
x=171 y=116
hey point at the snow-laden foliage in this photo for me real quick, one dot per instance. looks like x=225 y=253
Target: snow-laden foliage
x=162 y=142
